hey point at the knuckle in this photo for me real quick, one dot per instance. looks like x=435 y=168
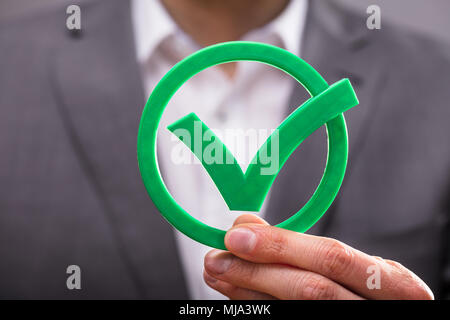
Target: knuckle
x=318 y=288
x=240 y=269
x=395 y=264
x=295 y=286
x=231 y=291
x=310 y=287
x=274 y=243
x=337 y=259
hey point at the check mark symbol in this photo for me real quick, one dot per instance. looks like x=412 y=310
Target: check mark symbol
x=247 y=191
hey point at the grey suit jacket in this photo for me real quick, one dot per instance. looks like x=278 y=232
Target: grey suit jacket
x=70 y=190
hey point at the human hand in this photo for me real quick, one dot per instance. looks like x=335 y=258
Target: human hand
x=265 y=262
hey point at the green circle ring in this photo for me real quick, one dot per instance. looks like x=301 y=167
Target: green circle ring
x=306 y=75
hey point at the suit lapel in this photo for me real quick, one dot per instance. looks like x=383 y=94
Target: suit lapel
x=337 y=45
x=97 y=80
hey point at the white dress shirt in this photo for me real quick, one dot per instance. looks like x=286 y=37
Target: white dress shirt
x=255 y=98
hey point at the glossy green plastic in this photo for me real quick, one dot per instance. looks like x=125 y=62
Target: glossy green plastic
x=247 y=191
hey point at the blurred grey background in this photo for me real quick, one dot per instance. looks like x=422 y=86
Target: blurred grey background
x=431 y=17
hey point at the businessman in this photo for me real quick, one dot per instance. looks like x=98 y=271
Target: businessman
x=71 y=194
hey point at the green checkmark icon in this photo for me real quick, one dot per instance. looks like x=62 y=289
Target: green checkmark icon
x=247 y=191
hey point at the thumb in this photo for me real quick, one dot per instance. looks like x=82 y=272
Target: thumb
x=249 y=218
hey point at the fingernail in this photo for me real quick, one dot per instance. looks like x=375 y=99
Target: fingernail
x=217 y=262
x=240 y=240
x=208 y=278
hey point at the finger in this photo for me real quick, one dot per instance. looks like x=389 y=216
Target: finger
x=403 y=270
x=233 y=292
x=249 y=218
x=280 y=281
x=328 y=257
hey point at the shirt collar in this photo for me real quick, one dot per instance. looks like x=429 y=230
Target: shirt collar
x=152 y=25
x=289 y=25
